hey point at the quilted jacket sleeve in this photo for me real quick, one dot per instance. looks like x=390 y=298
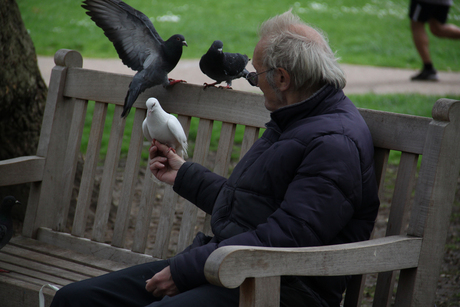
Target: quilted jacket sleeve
x=198 y=185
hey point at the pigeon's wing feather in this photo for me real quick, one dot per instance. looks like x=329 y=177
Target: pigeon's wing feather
x=131 y=32
x=235 y=63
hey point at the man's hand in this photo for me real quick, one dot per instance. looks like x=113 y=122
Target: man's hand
x=164 y=162
x=162 y=284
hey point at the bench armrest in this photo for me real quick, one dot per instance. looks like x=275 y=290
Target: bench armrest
x=229 y=266
x=21 y=170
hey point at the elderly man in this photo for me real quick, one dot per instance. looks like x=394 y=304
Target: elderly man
x=308 y=181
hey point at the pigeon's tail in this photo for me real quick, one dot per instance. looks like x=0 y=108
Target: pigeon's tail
x=135 y=89
x=245 y=73
x=129 y=101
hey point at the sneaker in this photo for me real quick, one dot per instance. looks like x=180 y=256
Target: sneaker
x=426 y=75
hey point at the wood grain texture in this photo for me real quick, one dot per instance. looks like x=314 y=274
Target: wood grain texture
x=378 y=255
x=21 y=170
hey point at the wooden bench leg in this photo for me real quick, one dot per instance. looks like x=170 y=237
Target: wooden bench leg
x=260 y=292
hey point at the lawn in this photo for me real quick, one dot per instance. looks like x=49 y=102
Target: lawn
x=364 y=32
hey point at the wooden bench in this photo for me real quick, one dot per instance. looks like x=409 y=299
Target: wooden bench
x=59 y=248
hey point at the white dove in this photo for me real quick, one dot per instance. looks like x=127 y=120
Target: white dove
x=164 y=127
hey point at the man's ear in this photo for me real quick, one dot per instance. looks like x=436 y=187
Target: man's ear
x=283 y=79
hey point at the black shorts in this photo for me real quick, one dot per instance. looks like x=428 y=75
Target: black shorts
x=422 y=11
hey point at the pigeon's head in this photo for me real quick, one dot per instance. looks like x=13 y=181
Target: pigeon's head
x=7 y=204
x=151 y=104
x=177 y=40
x=217 y=45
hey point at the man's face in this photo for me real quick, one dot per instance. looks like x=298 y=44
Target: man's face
x=272 y=101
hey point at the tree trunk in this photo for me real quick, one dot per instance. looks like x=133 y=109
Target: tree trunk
x=22 y=92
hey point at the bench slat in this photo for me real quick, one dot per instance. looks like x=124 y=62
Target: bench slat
x=397 y=220
x=108 y=176
x=89 y=169
x=70 y=161
x=21 y=170
x=397 y=131
x=129 y=180
x=31 y=255
x=96 y=249
x=212 y=103
x=251 y=134
x=189 y=216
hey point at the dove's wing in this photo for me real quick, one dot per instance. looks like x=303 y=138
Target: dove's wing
x=145 y=129
x=177 y=131
x=131 y=32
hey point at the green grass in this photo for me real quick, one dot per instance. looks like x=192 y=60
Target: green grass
x=363 y=32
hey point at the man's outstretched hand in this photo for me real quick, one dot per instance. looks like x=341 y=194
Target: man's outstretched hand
x=164 y=162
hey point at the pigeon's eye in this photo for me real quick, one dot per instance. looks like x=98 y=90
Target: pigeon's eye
x=178 y=38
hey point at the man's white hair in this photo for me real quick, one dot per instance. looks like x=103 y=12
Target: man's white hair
x=300 y=49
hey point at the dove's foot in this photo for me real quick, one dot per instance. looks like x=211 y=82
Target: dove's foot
x=171 y=149
x=174 y=81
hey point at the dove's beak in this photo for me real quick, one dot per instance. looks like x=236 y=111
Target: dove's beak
x=184 y=43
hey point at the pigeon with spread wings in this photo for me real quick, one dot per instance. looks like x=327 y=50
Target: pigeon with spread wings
x=138 y=45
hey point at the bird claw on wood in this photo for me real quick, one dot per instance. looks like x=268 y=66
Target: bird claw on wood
x=206 y=85
x=174 y=81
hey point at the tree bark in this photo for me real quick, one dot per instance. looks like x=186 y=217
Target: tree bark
x=22 y=92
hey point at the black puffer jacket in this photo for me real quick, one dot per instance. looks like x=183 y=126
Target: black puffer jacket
x=308 y=181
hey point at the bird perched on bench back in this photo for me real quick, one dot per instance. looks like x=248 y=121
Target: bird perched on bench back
x=223 y=66
x=6 y=222
x=138 y=45
x=164 y=127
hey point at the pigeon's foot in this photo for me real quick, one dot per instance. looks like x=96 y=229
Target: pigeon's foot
x=228 y=87
x=4 y=271
x=174 y=81
x=206 y=85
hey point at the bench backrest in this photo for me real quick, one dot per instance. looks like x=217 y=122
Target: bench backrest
x=71 y=87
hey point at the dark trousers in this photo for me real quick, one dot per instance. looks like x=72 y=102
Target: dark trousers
x=126 y=288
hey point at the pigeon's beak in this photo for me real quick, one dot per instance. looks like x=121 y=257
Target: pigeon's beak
x=184 y=43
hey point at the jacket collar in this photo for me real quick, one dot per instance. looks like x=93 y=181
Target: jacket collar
x=316 y=104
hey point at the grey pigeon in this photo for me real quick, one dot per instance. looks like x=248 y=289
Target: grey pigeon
x=223 y=66
x=138 y=45
x=6 y=222
x=164 y=127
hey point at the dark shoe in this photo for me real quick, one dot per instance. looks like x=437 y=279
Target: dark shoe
x=426 y=75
